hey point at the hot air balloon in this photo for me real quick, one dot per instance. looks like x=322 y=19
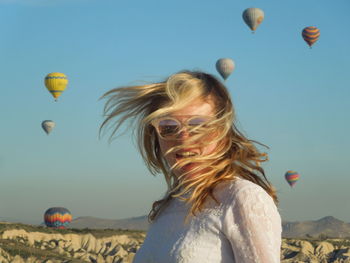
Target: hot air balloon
x=292 y=177
x=57 y=217
x=310 y=35
x=48 y=126
x=225 y=67
x=56 y=83
x=253 y=17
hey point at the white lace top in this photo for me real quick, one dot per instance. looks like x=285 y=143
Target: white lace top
x=245 y=227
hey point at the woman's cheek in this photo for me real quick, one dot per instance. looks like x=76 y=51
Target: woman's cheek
x=164 y=147
x=209 y=149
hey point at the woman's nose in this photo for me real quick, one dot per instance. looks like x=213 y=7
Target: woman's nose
x=184 y=134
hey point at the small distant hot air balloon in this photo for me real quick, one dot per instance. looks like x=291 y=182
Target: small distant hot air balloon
x=292 y=177
x=310 y=35
x=225 y=67
x=57 y=217
x=253 y=17
x=56 y=83
x=48 y=126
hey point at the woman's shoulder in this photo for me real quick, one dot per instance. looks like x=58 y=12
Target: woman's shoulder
x=230 y=191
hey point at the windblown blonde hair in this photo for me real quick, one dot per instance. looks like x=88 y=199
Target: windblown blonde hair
x=234 y=155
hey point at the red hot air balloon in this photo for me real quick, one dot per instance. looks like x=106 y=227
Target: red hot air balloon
x=292 y=177
x=310 y=35
x=57 y=217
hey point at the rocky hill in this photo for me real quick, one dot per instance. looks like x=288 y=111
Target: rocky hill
x=326 y=226
x=35 y=244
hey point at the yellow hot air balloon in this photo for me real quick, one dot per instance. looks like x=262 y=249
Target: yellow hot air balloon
x=56 y=83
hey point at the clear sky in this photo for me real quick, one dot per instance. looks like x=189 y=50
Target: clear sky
x=287 y=96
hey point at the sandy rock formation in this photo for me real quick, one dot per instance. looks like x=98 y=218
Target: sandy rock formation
x=297 y=251
x=323 y=251
x=85 y=247
x=59 y=248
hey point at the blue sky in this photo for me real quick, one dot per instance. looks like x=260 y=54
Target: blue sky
x=287 y=96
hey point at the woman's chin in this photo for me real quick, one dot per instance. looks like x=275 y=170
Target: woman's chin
x=186 y=170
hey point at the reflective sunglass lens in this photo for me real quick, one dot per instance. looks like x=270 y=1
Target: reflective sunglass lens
x=168 y=127
x=197 y=121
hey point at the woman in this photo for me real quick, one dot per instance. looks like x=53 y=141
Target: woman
x=219 y=206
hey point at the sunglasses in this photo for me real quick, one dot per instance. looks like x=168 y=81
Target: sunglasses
x=171 y=127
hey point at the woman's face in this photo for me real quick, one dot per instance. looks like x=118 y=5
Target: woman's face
x=197 y=107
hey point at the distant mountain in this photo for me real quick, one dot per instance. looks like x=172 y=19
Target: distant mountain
x=134 y=223
x=8 y=219
x=328 y=226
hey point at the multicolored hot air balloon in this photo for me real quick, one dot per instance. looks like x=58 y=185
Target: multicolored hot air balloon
x=225 y=67
x=292 y=177
x=56 y=83
x=253 y=17
x=57 y=217
x=310 y=35
x=48 y=126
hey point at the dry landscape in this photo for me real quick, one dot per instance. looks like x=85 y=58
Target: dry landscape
x=26 y=243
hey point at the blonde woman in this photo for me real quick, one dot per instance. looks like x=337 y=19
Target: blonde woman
x=219 y=206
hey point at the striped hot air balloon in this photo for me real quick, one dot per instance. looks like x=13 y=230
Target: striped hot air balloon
x=57 y=217
x=253 y=17
x=310 y=35
x=225 y=67
x=56 y=83
x=291 y=177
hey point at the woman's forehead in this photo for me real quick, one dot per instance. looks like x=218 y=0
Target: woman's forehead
x=197 y=107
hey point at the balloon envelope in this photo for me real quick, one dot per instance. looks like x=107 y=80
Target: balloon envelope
x=253 y=17
x=56 y=83
x=291 y=177
x=310 y=34
x=225 y=67
x=57 y=217
x=48 y=126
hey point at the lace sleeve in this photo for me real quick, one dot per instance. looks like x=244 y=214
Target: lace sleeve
x=252 y=224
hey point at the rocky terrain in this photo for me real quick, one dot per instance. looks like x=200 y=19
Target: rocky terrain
x=24 y=243
x=315 y=251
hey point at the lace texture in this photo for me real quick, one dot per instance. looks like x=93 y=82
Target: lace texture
x=244 y=228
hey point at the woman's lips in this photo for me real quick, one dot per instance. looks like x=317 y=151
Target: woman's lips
x=193 y=152
x=186 y=167
x=178 y=156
